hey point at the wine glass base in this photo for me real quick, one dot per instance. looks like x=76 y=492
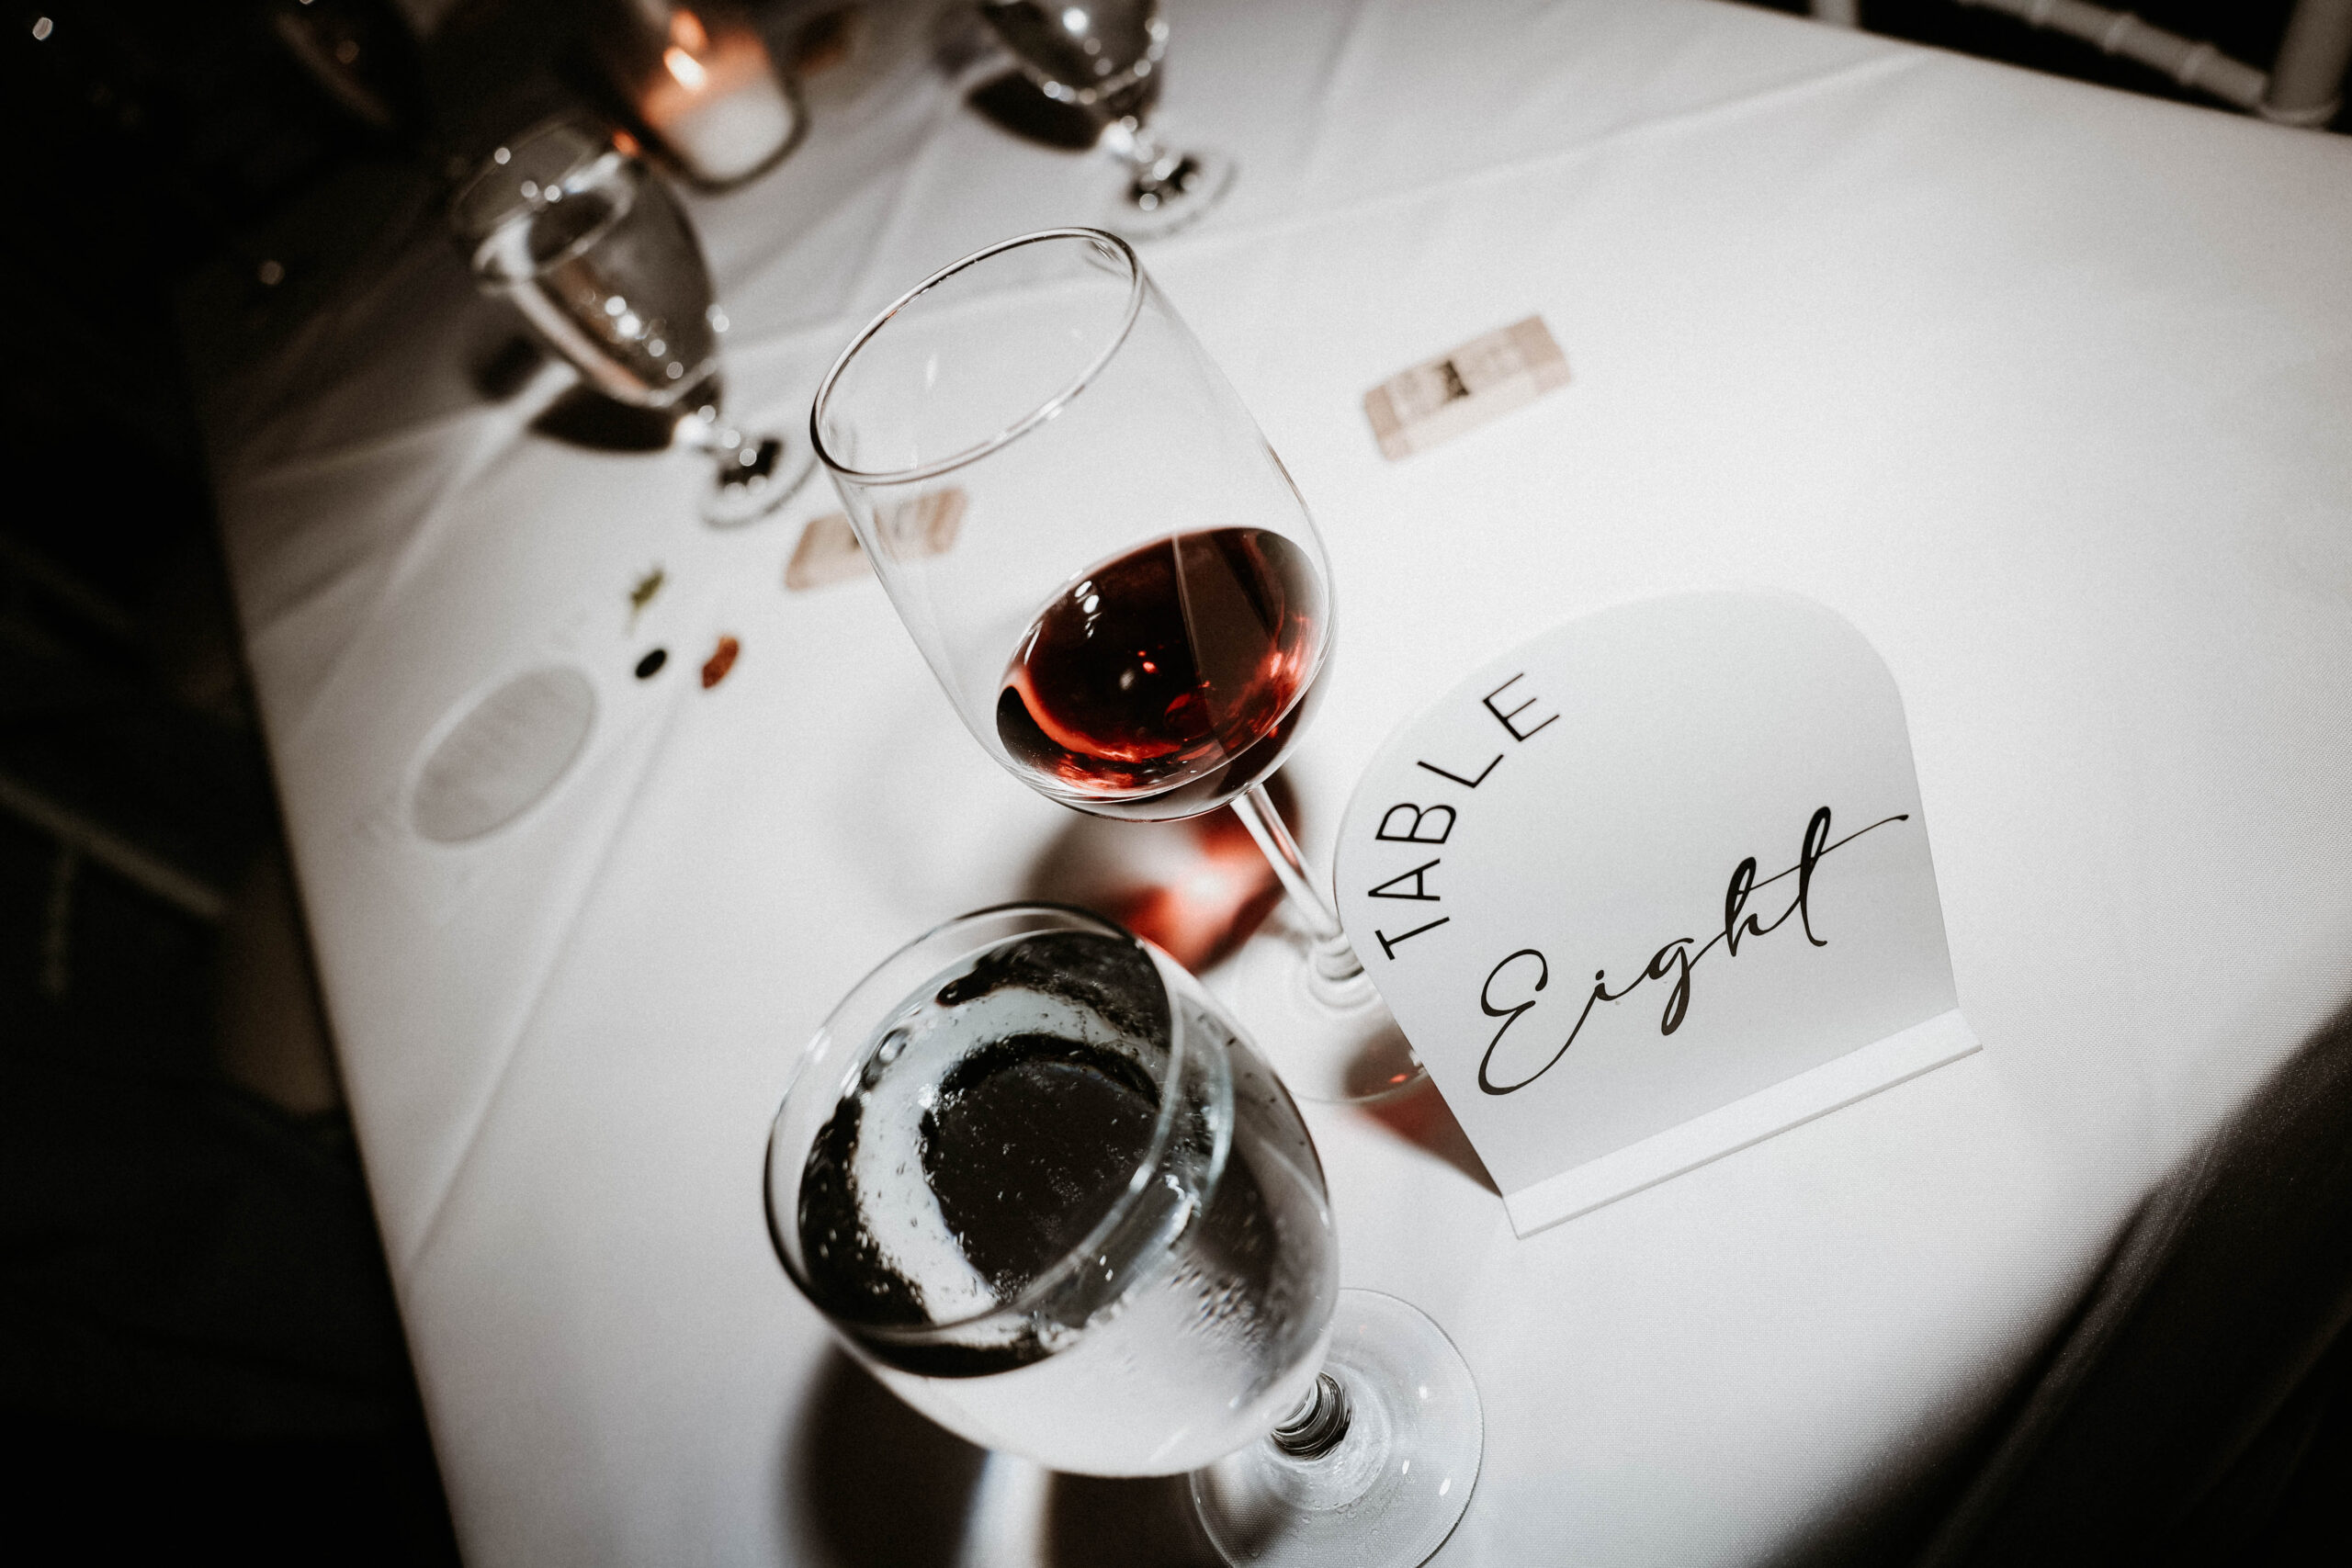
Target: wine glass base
x=1152 y=207
x=751 y=484
x=1392 y=1490
x=1337 y=1049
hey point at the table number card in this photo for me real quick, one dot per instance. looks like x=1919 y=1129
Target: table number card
x=1650 y=888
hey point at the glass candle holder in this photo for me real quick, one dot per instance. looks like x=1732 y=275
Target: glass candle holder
x=700 y=81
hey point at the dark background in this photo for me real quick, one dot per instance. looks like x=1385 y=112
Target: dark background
x=198 y=1341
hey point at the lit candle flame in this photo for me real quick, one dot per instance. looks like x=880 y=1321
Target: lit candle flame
x=685 y=68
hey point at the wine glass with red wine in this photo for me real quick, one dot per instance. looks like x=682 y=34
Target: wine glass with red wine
x=1135 y=609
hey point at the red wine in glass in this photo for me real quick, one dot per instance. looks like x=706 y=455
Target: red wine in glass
x=1172 y=677
x=1166 y=682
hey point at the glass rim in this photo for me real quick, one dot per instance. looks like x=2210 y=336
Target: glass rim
x=601 y=148
x=1018 y=428
x=1155 y=52
x=1074 y=1256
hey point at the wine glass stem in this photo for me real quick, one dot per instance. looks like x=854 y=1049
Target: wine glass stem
x=1334 y=959
x=1321 y=1418
x=1146 y=154
x=705 y=430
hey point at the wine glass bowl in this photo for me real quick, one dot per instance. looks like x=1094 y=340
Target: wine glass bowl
x=600 y=263
x=1045 y=1191
x=599 y=258
x=1096 y=56
x=1104 y=56
x=1137 y=610
x=1044 y=1187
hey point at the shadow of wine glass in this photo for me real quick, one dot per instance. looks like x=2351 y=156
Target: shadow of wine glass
x=886 y=1487
x=582 y=416
x=967 y=51
x=1095 y=1522
x=1421 y=1116
x=503 y=366
x=1013 y=103
x=1197 y=889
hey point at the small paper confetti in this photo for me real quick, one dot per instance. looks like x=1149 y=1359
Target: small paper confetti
x=828 y=552
x=651 y=665
x=722 y=660
x=1457 y=392
x=642 y=594
x=927 y=526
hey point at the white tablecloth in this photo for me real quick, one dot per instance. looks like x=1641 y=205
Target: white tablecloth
x=2046 y=389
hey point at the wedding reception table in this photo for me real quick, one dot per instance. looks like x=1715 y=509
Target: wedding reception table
x=2044 y=387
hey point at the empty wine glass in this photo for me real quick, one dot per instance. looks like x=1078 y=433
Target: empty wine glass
x=1104 y=56
x=1135 y=616
x=594 y=251
x=1045 y=1189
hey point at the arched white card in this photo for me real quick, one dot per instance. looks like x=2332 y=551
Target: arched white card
x=1650 y=888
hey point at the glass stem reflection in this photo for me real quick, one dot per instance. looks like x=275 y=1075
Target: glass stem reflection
x=1315 y=1428
x=705 y=432
x=1334 y=960
x=1143 y=149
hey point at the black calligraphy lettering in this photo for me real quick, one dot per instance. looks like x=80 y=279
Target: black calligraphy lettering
x=1743 y=882
x=1679 y=957
x=1675 y=955
x=1509 y=1015
x=1505 y=718
x=1421 y=893
x=1388 y=943
x=1599 y=993
x=1457 y=778
x=1814 y=832
x=1809 y=857
x=1413 y=835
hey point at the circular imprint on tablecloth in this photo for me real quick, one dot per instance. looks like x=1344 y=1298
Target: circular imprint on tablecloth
x=504 y=755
